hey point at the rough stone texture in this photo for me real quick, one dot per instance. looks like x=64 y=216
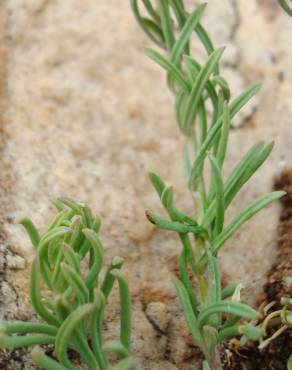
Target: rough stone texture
x=85 y=114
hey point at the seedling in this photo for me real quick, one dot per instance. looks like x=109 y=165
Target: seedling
x=212 y=313
x=68 y=295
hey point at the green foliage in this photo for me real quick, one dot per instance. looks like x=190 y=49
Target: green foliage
x=69 y=296
x=212 y=314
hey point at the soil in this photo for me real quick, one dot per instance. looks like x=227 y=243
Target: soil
x=275 y=356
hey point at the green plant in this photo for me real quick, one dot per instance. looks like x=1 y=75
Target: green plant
x=68 y=296
x=212 y=313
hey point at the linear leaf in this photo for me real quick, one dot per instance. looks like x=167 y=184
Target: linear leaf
x=224 y=135
x=97 y=258
x=228 y=307
x=245 y=215
x=257 y=161
x=243 y=98
x=288 y=10
x=66 y=330
x=185 y=33
x=219 y=191
x=173 y=225
x=223 y=85
x=145 y=26
x=76 y=283
x=96 y=331
x=166 y=23
x=31 y=230
x=24 y=341
x=233 y=179
x=35 y=295
x=199 y=86
x=157 y=183
x=125 y=315
x=188 y=312
x=199 y=161
x=170 y=68
x=108 y=281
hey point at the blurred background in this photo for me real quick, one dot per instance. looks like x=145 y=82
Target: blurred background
x=85 y=114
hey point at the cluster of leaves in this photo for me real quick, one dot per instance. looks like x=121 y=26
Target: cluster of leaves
x=67 y=270
x=204 y=110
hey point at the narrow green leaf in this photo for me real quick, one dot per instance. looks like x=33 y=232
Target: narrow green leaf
x=57 y=204
x=214 y=279
x=12 y=327
x=173 y=225
x=170 y=68
x=76 y=283
x=288 y=10
x=96 y=331
x=167 y=24
x=188 y=312
x=228 y=307
x=31 y=230
x=185 y=278
x=223 y=85
x=25 y=341
x=43 y=249
x=186 y=161
x=201 y=155
x=91 y=279
x=219 y=191
x=35 y=296
x=180 y=14
x=243 y=98
x=203 y=123
x=66 y=330
x=193 y=69
x=233 y=179
x=249 y=211
x=199 y=86
x=147 y=27
x=250 y=169
x=180 y=105
x=185 y=33
x=224 y=135
x=76 y=207
x=157 y=183
x=151 y=11
x=109 y=279
x=60 y=218
x=125 y=315
x=71 y=258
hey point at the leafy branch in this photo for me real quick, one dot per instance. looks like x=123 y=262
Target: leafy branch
x=212 y=314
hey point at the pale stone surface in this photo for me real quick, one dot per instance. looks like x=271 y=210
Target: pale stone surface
x=87 y=115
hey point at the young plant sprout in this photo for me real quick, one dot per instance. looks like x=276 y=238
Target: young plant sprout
x=70 y=298
x=212 y=314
